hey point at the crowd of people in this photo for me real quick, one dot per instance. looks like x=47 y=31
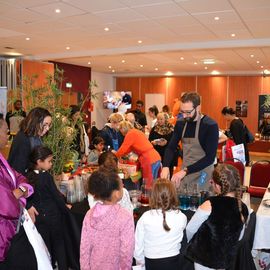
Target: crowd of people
x=109 y=239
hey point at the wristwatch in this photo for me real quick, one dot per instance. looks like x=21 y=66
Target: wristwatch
x=185 y=169
x=22 y=189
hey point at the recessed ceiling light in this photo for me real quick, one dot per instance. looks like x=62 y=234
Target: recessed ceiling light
x=156 y=68
x=233 y=35
x=139 y=41
x=109 y=67
x=67 y=48
x=252 y=55
x=141 y=65
x=106 y=29
x=113 y=70
x=216 y=18
x=209 y=61
x=261 y=66
x=57 y=10
x=182 y=58
x=215 y=72
x=123 y=61
x=89 y=63
x=205 y=67
x=258 y=62
x=195 y=63
x=28 y=38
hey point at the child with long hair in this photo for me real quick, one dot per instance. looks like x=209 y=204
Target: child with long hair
x=159 y=231
x=215 y=228
x=107 y=240
x=48 y=202
x=96 y=149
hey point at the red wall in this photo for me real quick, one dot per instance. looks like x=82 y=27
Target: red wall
x=79 y=77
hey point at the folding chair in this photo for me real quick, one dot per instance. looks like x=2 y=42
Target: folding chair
x=259 y=178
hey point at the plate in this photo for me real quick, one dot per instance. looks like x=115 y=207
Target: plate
x=266 y=202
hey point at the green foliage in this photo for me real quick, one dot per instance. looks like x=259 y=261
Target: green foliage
x=62 y=133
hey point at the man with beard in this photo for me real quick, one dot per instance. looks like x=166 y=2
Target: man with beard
x=139 y=115
x=199 y=136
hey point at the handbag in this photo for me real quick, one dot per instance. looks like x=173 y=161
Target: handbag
x=42 y=254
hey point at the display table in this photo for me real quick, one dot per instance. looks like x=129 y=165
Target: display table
x=260 y=146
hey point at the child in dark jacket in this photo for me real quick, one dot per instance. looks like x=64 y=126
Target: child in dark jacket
x=49 y=203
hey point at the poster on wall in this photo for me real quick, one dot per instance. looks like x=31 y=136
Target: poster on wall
x=264 y=110
x=3 y=100
x=241 y=108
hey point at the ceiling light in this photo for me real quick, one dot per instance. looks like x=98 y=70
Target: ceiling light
x=205 y=67
x=67 y=48
x=141 y=65
x=182 y=58
x=89 y=63
x=232 y=35
x=113 y=70
x=28 y=38
x=209 y=61
x=139 y=41
x=123 y=61
x=109 y=67
x=216 y=18
x=57 y=10
x=195 y=63
x=258 y=62
x=215 y=72
x=261 y=66
x=168 y=73
x=156 y=69
x=106 y=29
x=252 y=55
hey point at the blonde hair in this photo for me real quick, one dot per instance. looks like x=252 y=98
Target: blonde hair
x=164 y=115
x=164 y=197
x=116 y=118
x=125 y=126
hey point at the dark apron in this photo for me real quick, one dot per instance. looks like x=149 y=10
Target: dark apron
x=192 y=152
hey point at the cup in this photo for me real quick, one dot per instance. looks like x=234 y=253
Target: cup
x=194 y=202
x=135 y=195
x=184 y=200
x=204 y=196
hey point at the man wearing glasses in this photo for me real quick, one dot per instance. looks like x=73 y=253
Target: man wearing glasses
x=199 y=136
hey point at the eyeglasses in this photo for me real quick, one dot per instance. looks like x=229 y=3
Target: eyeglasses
x=187 y=112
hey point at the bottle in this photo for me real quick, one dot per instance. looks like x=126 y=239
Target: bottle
x=145 y=193
x=194 y=198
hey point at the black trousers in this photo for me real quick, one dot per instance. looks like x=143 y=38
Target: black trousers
x=51 y=229
x=169 y=263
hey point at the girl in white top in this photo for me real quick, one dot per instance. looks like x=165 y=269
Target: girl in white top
x=159 y=231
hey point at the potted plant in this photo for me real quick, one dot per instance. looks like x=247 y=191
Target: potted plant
x=61 y=135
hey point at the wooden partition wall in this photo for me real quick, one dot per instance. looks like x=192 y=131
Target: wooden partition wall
x=216 y=92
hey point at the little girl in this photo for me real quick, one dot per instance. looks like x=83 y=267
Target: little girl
x=96 y=147
x=107 y=240
x=49 y=204
x=159 y=231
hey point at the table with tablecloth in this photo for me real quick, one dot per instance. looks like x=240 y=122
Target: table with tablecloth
x=261 y=244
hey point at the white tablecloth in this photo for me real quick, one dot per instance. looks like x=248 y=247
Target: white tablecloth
x=262 y=231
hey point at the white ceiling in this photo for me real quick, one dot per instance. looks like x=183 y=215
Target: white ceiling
x=168 y=29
